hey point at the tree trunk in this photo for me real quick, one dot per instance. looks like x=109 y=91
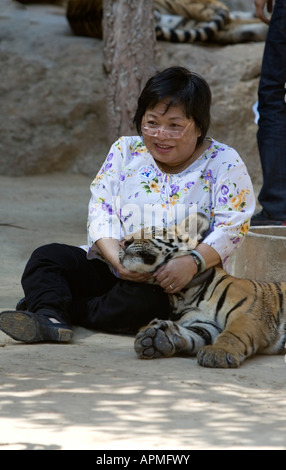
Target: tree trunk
x=129 y=59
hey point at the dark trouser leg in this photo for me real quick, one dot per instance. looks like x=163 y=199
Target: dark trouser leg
x=56 y=273
x=60 y=282
x=125 y=308
x=271 y=135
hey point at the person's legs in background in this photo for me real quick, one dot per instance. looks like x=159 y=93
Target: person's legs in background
x=271 y=134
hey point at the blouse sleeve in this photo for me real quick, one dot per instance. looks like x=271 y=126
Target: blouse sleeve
x=233 y=206
x=103 y=217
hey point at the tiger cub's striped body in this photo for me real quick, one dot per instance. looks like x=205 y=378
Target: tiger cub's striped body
x=223 y=321
x=219 y=318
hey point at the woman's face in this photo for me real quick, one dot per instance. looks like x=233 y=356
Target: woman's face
x=166 y=149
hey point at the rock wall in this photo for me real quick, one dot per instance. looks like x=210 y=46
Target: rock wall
x=53 y=116
x=239 y=5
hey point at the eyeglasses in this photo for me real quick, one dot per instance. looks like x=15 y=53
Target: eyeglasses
x=168 y=132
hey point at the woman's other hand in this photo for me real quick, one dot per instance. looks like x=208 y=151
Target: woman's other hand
x=176 y=274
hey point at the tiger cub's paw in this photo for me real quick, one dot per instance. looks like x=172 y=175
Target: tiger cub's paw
x=212 y=356
x=158 y=339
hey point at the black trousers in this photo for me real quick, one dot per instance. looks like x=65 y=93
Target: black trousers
x=60 y=282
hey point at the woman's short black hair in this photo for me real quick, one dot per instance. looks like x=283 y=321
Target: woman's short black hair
x=182 y=87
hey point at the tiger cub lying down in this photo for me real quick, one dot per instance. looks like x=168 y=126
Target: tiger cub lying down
x=220 y=318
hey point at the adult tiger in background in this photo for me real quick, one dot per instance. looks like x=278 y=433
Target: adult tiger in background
x=188 y=21
x=219 y=318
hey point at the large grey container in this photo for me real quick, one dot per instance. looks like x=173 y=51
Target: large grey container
x=262 y=255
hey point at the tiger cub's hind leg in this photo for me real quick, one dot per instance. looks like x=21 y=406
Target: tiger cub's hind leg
x=165 y=339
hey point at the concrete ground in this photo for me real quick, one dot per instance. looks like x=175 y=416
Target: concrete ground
x=94 y=393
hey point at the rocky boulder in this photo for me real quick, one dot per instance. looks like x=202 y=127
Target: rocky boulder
x=53 y=115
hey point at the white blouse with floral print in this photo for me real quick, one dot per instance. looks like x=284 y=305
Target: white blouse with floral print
x=130 y=188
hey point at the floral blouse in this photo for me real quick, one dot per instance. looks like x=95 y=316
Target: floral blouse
x=130 y=188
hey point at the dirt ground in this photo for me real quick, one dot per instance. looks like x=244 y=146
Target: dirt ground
x=94 y=393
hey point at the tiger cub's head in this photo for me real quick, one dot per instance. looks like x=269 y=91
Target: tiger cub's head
x=146 y=250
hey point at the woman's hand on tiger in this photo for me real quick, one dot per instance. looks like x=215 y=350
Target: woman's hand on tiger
x=176 y=274
x=110 y=249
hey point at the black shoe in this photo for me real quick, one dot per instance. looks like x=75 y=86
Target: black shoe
x=21 y=305
x=32 y=328
x=262 y=219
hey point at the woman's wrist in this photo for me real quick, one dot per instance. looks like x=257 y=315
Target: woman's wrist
x=194 y=266
x=209 y=256
x=199 y=261
x=109 y=248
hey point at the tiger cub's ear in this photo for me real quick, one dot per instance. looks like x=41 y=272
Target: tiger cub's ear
x=193 y=227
